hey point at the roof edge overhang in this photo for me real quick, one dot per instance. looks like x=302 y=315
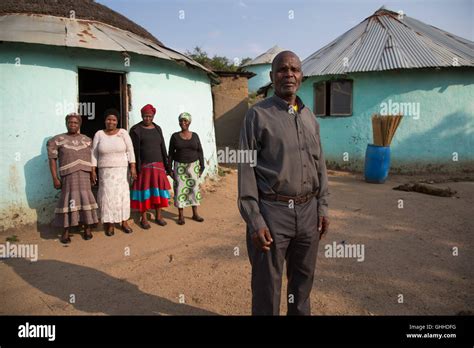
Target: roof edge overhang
x=88 y=34
x=391 y=70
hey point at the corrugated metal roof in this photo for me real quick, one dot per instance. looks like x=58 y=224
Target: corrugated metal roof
x=386 y=41
x=265 y=58
x=60 y=31
x=82 y=9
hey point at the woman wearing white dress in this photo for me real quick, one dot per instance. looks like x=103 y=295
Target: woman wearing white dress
x=112 y=153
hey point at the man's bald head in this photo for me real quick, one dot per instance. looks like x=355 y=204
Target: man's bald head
x=282 y=54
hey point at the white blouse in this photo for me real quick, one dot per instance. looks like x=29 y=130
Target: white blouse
x=112 y=150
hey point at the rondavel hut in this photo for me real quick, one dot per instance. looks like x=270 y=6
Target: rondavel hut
x=57 y=57
x=393 y=64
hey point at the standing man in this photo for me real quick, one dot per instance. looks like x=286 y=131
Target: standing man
x=283 y=199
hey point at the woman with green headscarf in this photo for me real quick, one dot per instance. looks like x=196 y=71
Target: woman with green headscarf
x=187 y=159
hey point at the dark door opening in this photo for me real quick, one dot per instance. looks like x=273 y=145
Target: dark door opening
x=99 y=91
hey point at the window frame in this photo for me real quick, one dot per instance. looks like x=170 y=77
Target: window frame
x=329 y=99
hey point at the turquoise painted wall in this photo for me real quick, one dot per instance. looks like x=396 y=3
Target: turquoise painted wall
x=426 y=142
x=262 y=77
x=47 y=76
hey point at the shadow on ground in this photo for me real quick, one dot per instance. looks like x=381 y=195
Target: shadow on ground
x=95 y=291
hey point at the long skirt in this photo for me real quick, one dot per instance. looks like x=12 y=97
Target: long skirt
x=150 y=190
x=76 y=204
x=114 y=194
x=186 y=184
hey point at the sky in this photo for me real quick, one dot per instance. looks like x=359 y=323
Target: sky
x=247 y=28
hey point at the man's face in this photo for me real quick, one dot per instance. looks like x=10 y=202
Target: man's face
x=286 y=75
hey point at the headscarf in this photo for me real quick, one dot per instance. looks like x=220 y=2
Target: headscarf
x=147 y=108
x=185 y=116
x=76 y=116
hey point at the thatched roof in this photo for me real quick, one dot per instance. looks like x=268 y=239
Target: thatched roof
x=83 y=9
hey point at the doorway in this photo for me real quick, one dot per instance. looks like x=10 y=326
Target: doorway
x=100 y=90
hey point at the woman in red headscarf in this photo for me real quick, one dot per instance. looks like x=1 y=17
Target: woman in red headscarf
x=151 y=189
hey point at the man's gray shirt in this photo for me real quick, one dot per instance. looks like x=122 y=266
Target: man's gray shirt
x=290 y=159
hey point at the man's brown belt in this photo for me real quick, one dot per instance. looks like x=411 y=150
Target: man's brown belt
x=287 y=199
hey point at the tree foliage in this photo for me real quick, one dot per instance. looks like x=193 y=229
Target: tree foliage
x=219 y=63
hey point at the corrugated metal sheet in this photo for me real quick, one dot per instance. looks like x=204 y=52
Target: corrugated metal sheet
x=59 y=31
x=384 y=41
x=331 y=57
x=265 y=58
x=370 y=47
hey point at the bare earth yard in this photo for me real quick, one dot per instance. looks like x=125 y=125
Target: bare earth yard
x=408 y=252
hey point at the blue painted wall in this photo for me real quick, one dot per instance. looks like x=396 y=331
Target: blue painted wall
x=45 y=76
x=444 y=126
x=262 y=77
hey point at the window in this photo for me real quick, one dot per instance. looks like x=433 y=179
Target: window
x=333 y=98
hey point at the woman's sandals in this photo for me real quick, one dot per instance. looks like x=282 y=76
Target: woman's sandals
x=65 y=240
x=197 y=218
x=145 y=225
x=161 y=222
x=109 y=231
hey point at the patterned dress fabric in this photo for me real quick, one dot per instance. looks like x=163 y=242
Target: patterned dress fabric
x=186 y=184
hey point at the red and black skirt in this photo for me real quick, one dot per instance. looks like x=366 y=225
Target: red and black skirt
x=151 y=189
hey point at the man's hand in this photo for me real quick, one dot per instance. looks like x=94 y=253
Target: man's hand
x=262 y=239
x=323 y=226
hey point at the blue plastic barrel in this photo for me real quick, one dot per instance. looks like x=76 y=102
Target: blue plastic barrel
x=377 y=163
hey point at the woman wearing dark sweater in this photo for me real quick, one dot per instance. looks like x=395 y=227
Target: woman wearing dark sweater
x=187 y=159
x=150 y=190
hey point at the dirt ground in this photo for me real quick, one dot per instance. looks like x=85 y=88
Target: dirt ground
x=408 y=252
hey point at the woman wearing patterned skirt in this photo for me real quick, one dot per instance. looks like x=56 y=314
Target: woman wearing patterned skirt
x=77 y=203
x=112 y=152
x=150 y=190
x=187 y=158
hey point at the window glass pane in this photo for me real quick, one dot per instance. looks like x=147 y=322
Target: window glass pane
x=341 y=97
x=320 y=98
